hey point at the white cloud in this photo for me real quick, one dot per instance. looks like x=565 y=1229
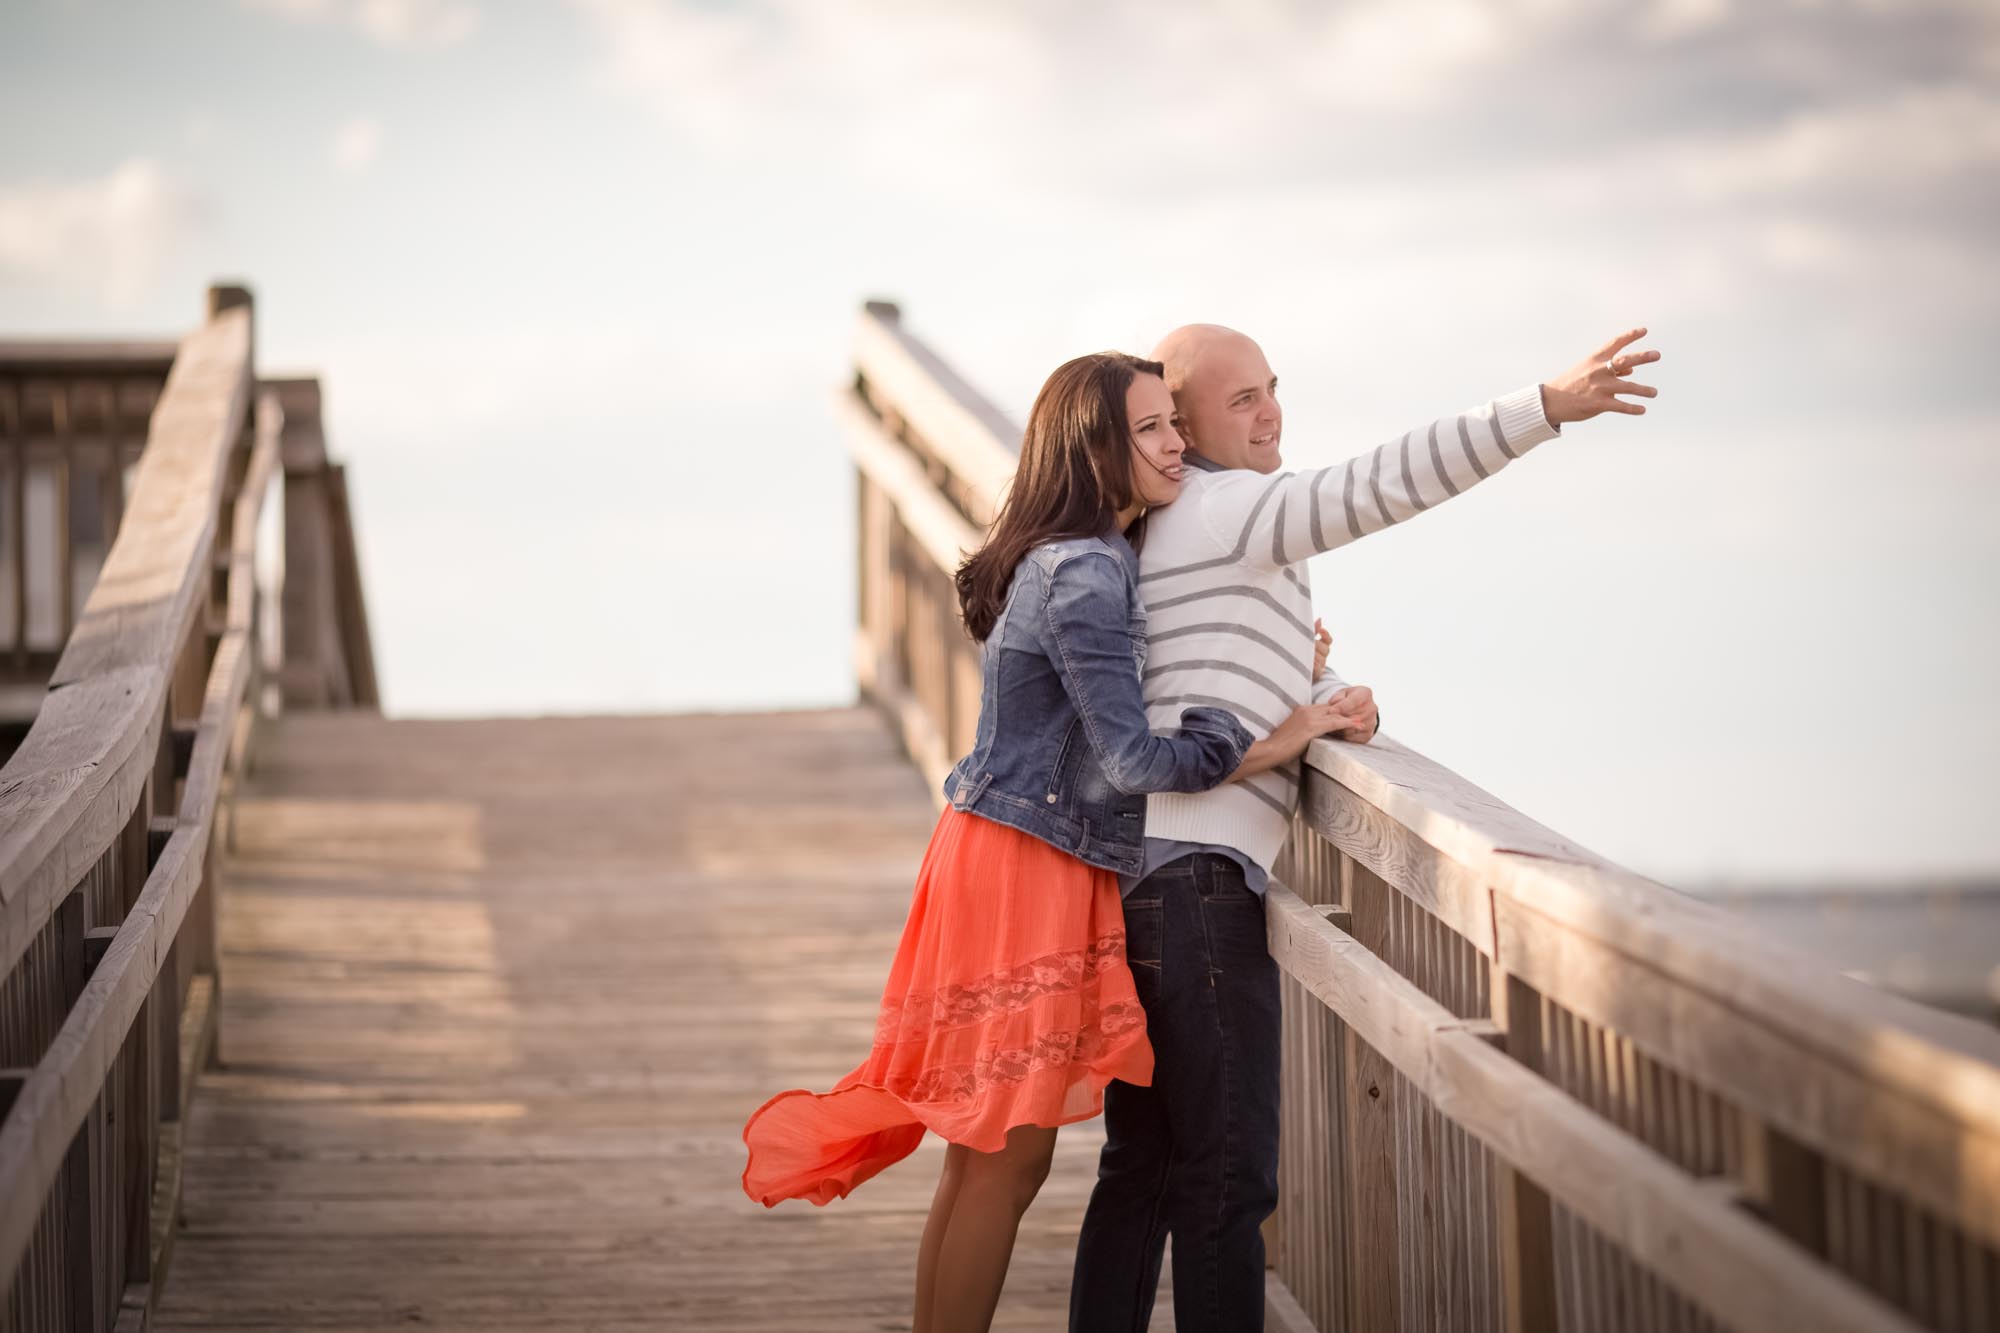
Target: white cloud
x=112 y=235
x=417 y=22
x=356 y=144
x=1913 y=137
x=403 y=24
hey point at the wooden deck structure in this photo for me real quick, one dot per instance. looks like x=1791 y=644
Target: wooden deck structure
x=492 y=1039
x=368 y=1024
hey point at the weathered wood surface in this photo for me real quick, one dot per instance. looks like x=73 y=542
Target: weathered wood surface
x=972 y=443
x=76 y=777
x=500 y=996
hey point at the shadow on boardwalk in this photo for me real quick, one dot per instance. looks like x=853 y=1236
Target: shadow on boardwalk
x=498 y=996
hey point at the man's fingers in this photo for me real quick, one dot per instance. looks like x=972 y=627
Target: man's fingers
x=1629 y=409
x=1631 y=360
x=1625 y=339
x=1643 y=390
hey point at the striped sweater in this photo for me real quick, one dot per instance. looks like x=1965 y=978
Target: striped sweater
x=1229 y=608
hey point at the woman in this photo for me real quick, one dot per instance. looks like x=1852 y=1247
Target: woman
x=1010 y=1004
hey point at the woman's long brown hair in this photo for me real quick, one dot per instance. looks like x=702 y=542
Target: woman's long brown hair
x=1074 y=476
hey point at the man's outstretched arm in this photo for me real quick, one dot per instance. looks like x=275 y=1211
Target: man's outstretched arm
x=1287 y=518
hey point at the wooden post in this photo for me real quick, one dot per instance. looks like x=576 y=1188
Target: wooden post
x=1525 y=1222
x=1369 y=1100
x=1785 y=1181
x=78 y=1184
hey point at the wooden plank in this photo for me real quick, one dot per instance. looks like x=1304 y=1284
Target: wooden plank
x=1526 y=1238
x=349 y=601
x=1427 y=877
x=1718 y=1032
x=943 y=534
x=1734 y=1267
x=493 y=1040
x=1369 y=1115
x=85 y=357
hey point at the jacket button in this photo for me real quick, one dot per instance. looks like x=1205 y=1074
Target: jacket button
x=1052 y=798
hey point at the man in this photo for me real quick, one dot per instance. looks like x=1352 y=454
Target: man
x=1222 y=572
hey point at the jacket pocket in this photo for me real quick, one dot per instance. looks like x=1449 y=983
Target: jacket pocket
x=1059 y=775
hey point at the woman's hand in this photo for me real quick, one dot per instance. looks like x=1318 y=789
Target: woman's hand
x=1350 y=714
x=1322 y=645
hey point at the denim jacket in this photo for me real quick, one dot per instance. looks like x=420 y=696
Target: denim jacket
x=1063 y=750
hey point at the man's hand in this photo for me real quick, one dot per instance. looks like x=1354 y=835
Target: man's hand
x=1594 y=383
x=1356 y=704
x=1322 y=645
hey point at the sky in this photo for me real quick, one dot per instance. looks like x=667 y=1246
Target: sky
x=580 y=278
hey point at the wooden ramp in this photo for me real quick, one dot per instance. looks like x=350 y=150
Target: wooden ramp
x=497 y=997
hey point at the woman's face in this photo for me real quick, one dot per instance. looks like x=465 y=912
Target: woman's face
x=1156 y=439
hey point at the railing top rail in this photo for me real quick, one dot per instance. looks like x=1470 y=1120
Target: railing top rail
x=1950 y=1061
x=75 y=356
x=66 y=790
x=911 y=387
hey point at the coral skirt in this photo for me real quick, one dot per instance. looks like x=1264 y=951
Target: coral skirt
x=1009 y=1002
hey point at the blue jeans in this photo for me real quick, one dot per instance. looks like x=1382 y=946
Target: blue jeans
x=1195 y=1155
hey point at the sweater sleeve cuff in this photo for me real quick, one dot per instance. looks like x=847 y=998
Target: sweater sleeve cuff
x=1522 y=422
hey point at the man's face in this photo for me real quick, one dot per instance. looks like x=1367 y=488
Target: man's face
x=1229 y=405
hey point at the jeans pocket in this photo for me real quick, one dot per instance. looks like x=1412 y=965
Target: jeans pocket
x=1234 y=920
x=1142 y=933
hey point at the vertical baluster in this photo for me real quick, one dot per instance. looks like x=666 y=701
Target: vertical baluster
x=1369 y=1106
x=65 y=555
x=78 y=1180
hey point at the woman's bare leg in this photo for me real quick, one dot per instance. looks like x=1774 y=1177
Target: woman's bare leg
x=934 y=1229
x=995 y=1189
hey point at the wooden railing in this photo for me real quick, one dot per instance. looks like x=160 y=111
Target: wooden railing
x=1523 y=1088
x=113 y=811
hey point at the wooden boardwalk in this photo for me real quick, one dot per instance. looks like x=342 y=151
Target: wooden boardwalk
x=497 y=998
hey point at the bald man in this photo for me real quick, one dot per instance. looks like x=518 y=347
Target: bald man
x=1222 y=571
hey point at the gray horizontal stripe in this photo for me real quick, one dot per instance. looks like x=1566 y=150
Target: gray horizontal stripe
x=1347 y=494
x=1278 y=556
x=1232 y=590
x=1175 y=700
x=1312 y=503
x=1471 y=456
x=1242 y=541
x=1278 y=691
x=1219 y=627
x=1409 y=482
x=1375 y=485
x=1297 y=580
x=1498 y=438
x=1437 y=463
x=1282 y=807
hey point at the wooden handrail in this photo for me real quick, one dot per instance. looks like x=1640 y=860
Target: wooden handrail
x=969 y=444
x=1628 y=1099
x=112 y=812
x=1819 y=1054
x=74 y=780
